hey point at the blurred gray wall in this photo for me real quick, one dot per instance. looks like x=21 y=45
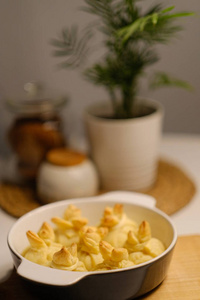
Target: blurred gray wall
x=26 y=27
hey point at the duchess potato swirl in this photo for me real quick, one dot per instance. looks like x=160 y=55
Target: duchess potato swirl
x=116 y=242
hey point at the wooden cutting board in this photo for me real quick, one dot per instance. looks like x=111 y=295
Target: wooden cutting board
x=183 y=278
x=181 y=283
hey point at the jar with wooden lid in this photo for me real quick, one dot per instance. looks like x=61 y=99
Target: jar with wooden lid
x=66 y=174
x=37 y=128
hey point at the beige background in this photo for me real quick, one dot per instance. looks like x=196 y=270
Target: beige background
x=26 y=27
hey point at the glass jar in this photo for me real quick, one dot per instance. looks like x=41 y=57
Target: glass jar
x=36 y=129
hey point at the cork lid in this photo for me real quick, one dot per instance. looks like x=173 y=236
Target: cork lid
x=65 y=157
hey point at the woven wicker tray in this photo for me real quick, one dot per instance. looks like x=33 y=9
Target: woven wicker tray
x=173 y=190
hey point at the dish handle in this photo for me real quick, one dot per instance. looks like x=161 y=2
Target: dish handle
x=46 y=275
x=132 y=197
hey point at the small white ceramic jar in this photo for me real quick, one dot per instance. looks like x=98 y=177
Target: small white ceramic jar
x=66 y=174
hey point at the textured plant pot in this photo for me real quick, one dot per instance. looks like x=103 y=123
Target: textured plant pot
x=125 y=151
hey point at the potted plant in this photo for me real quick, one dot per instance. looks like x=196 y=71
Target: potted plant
x=124 y=132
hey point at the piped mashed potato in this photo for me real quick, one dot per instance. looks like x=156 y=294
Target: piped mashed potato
x=72 y=245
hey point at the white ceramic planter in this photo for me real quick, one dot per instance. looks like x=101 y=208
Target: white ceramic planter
x=124 y=151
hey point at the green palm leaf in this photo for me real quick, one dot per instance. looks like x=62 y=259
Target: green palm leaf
x=129 y=39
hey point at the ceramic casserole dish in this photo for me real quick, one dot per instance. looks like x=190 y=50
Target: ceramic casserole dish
x=120 y=284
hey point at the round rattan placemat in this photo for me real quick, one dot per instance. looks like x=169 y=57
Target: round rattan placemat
x=17 y=199
x=173 y=190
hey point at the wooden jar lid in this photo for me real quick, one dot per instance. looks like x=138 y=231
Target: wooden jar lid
x=65 y=157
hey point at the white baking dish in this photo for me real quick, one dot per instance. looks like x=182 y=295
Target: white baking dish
x=137 y=280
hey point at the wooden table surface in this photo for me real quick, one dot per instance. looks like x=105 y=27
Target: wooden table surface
x=181 y=283
x=183 y=278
